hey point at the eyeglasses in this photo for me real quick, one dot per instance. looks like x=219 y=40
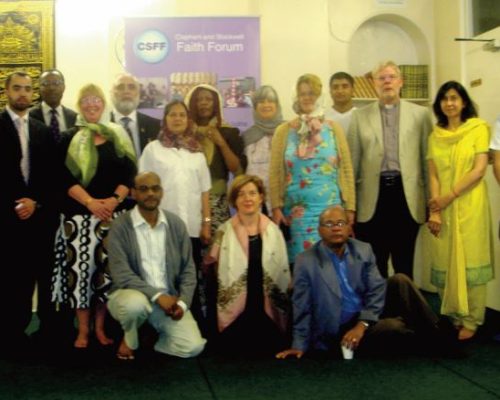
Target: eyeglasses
x=130 y=86
x=384 y=78
x=330 y=224
x=91 y=101
x=145 y=188
x=52 y=83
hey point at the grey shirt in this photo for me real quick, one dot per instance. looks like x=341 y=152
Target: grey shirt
x=390 y=126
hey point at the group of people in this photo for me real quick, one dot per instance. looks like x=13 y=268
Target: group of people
x=132 y=215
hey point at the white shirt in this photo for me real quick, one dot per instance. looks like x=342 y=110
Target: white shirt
x=47 y=115
x=133 y=125
x=184 y=175
x=344 y=119
x=495 y=138
x=16 y=119
x=151 y=242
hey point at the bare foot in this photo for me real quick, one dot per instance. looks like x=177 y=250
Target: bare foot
x=82 y=341
x=465 y=334
x=103 y=339
x=125 y=352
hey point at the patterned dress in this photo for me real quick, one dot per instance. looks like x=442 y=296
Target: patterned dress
x=80 y=271
x=311 y=185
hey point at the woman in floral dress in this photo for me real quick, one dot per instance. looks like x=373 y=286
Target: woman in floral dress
x=310 y=168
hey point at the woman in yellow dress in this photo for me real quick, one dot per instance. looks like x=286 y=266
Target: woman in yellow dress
x=462 y=261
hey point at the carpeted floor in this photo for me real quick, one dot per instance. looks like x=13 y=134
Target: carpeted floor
x=98 y=375
x=152 y=377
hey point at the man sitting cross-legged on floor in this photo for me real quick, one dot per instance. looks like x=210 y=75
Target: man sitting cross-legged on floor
x=152 y=269
x=339 y=297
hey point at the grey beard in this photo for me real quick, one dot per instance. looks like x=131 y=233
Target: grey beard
x=125 y=107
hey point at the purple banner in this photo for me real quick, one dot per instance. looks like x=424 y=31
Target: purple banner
x=171 y=55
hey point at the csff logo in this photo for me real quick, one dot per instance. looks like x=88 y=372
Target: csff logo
x=151 y=46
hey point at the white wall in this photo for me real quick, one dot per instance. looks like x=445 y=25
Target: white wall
x=464 y=62
x=480 y=64
x=297 y=36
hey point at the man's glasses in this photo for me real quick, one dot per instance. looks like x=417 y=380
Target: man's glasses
x=389 y=78
x=144 y=188
x=330 y=224
x=52 y=83
x=122 y=87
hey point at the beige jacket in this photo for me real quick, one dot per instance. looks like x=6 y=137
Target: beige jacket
x=366 y=142
x=277 y=167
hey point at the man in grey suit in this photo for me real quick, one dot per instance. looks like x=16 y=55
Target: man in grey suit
x=388 y=143
x=339 y=297
x=125 y=98
x=153 y=273
x=50 y=111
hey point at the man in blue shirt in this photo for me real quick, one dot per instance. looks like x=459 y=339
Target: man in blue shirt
x=339 y=297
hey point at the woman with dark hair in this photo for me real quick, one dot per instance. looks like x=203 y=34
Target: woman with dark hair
x=222 y=145
x=459 y=208
x=177 y=157
x=253 y=274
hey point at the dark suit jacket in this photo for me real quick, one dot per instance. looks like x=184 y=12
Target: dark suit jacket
x=42 y=183
x=69 y=115
x=29 y=242
x=149 y=128
x=317 y=297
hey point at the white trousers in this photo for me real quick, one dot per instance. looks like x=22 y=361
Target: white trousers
x=180 y=338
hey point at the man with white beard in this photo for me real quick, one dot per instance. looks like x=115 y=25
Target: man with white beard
x=125 y=97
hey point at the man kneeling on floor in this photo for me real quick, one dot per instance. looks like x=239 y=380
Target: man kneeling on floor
x=153 y=273
x=340 y=298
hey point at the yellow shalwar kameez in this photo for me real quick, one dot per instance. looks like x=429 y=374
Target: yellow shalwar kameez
x=462 y=257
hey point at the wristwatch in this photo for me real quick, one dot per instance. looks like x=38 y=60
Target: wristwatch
x=117 y=197
x=365 y=324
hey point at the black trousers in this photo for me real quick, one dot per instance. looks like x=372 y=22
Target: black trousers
x=28 y=250
x=406 y=325
x=392 y=231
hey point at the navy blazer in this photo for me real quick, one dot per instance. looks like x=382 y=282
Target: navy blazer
x=317 y=297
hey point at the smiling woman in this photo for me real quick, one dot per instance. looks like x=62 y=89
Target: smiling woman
x=100 y=165
x=253 y=275
x=267 y=116
x=310 y=168
x=459 y=208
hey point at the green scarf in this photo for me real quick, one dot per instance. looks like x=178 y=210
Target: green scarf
x=82 y=156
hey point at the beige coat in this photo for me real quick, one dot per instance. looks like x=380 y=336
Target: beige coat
x=366 y=143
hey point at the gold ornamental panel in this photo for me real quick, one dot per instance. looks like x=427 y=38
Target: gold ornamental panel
x=26 y=40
